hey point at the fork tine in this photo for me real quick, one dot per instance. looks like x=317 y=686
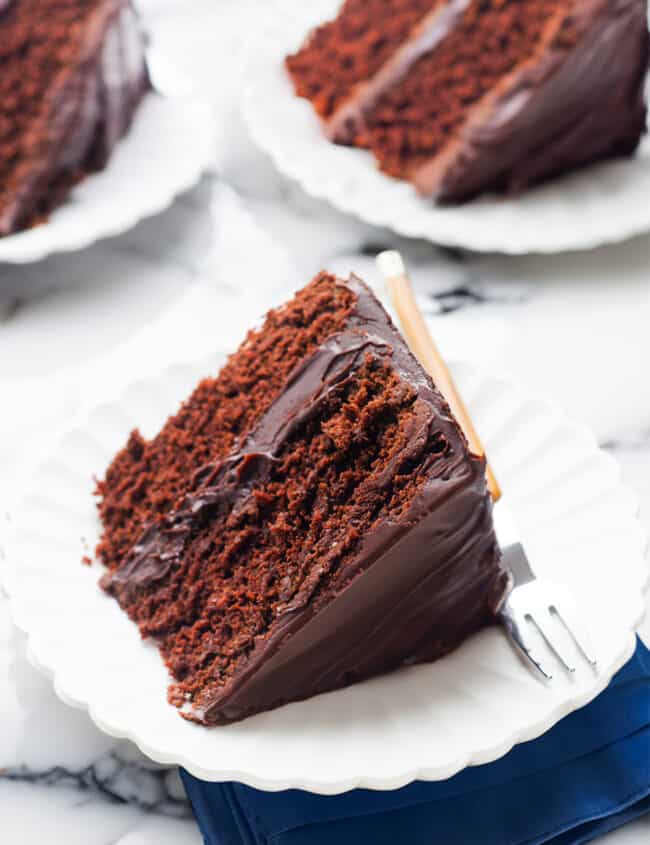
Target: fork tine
x=568 y=616
x=544 y=622
x=516 y=625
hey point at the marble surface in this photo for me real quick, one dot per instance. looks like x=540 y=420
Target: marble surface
x=75 y=329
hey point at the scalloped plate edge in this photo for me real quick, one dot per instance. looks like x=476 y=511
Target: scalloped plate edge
x=488 y=753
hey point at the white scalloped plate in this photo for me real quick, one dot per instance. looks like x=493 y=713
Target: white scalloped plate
x=423 y=722
x=169 y=146
x=604 y=203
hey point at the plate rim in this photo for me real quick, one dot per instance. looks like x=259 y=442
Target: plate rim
x=173 y=756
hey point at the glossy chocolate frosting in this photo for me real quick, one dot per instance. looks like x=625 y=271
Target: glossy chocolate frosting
x=85 y=112
x=416 y=587
x=569 y=107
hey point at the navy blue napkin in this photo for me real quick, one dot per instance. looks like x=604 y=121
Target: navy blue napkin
x=586 y=776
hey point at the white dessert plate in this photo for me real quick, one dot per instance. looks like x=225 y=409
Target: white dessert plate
x=425 y=722
x=169 y=146
x=601 y=204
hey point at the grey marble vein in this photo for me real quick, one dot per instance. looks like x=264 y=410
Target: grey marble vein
x=633 y=441
x=114 y=779
x=9 y=308
x=470 y=294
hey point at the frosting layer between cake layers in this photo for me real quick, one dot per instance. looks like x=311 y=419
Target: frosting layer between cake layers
x=415 y=587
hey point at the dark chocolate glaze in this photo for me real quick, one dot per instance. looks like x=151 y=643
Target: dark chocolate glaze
x=572 y=107
x=86 y=114
x=415 y=588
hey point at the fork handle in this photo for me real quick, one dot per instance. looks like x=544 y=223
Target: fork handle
x=423 y=347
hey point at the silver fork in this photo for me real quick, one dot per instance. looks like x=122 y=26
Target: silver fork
x=534 y=602
x=531 y=602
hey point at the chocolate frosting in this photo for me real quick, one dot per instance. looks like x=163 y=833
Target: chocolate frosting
x=568 y=108
x=416 y=587
x=88 y=109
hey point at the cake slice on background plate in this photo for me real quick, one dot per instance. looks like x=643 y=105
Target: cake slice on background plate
x=309 y=518
x=464 y=96
x=72 y=73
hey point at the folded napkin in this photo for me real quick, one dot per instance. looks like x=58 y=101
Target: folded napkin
x=587 y=775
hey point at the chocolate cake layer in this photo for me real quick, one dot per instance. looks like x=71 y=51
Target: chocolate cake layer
x=148 y=478
x=347 y=534
x=485 y=94
x=71 y=77
x=355 y=46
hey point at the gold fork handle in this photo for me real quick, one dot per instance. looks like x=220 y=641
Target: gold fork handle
x=425 y=350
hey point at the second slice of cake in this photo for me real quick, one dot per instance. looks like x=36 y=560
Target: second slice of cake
x=346 y=532
x=460 y=97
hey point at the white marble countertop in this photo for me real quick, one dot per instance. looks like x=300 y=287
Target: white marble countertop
x=75 y=329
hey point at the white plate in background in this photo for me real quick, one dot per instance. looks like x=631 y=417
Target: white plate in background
x=424 y=722
x=603 y=203
x=169 y=146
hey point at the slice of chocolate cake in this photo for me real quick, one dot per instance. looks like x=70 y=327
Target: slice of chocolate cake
x=463 y=96
x=337 y=526
x=148 y=478
x=72 y=73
